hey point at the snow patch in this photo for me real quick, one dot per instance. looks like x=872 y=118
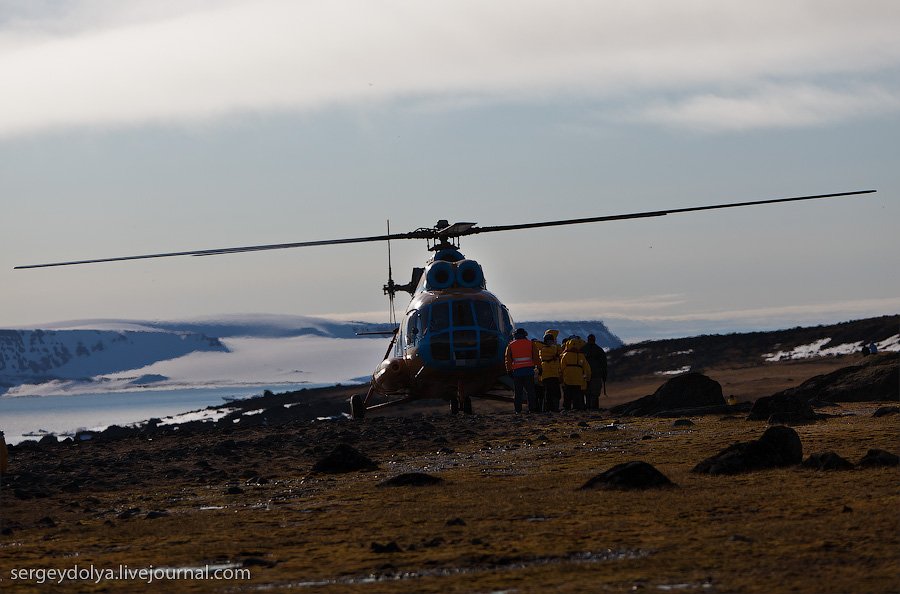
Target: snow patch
x=815 y=349
x=206 y=415
x=890 y=344
x=678 y=371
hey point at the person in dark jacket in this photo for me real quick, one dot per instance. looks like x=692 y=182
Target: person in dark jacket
x=596 y=358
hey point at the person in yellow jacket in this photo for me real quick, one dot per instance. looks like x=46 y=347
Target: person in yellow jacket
x=539 y=391
x=548 y=355
x=575 y=373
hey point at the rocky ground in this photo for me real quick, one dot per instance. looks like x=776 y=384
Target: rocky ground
x=425 y=502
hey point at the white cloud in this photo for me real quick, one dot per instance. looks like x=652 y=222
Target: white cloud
x=773 y=106
x=99 y=63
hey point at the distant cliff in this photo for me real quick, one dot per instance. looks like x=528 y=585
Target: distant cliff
x=605 y=338
x=37 y=356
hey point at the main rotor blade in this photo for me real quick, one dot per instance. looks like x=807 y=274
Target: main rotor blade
x=654 y=213
x=424 y=233
x=236 y=250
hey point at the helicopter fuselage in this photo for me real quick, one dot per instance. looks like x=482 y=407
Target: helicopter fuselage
x=453 y=337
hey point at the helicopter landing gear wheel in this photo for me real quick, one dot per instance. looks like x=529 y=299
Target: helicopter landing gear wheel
x=358 y=406
x=463 y=400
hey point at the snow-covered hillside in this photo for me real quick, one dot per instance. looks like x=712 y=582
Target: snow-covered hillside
x=36 y=356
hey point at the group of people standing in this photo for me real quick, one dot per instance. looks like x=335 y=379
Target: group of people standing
x=547 y=374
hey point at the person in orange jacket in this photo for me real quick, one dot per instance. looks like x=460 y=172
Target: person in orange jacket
x=520 y=363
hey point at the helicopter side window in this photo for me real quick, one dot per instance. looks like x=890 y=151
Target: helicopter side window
x=413 y=323
x=462 y=313
x=506 y=326
x=485 y=315
x=440 y=317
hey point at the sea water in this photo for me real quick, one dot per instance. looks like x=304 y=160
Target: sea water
x=30 y=417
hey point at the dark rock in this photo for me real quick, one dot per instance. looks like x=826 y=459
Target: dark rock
x=391 y=547
x=827 y=461
x=47 y=522
x=778 y=447
x=49 y=439
x=456 y=522
x=630 y=475
x=876 y=379
x=878 y=458
x=789 y=408
x=412 y=479
x=156 y=513
x=883 y=411
x=683 y=423
x=117 y=432
x=234 y=491
x=71 y=486
x=691 y=390
x=25 y=494
x=129 y=513
x=343 y=458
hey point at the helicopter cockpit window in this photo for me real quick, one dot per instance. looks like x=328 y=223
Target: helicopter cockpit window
x=462 y=313
x=440 y=317
x=485 y=315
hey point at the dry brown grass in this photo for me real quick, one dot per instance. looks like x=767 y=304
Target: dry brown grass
x=527 y=526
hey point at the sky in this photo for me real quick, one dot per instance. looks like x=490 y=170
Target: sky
x=152 y=125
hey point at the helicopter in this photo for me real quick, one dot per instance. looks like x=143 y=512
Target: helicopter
x=451 y=341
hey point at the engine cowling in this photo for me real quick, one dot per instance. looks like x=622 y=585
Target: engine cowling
x=440 y=275
x=469 y=274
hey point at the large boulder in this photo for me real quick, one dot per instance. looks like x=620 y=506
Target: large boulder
x=344 y=458
x=630 y=475
x=782 y=407
x=827 y=461
x=779 y=446
x=688 y=391
x=875 y=380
